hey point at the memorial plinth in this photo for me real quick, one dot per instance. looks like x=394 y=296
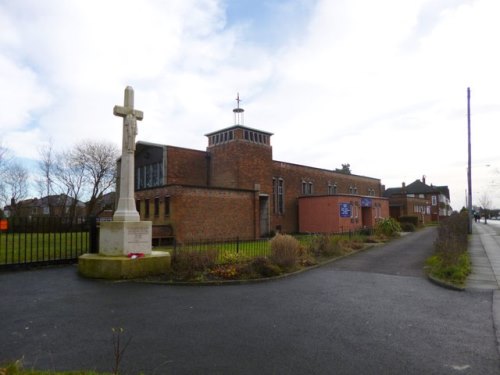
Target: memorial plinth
x=119 y=238
x=97 y=266
x=126 y=234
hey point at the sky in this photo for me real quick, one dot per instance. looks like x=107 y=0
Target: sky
x=381 y=85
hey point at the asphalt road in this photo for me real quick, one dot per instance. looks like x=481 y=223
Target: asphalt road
x=373 y=313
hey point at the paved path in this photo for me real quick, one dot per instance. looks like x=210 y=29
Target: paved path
x=357 y=316
x=484 y=249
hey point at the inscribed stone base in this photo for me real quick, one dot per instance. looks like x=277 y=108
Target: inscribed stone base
x=115 y=268
x=119 y=238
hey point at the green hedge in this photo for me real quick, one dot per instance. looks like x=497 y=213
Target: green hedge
x=409 y=219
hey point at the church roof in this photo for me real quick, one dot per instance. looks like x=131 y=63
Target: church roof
x=238 y=127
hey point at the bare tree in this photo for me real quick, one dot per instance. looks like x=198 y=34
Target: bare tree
x=485 y=202
x=98 y=162
x=16 y=183
x=4 y=159
x=70 y=177
x=47 y=168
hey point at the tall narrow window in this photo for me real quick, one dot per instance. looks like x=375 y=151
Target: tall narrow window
x=275 y=200
x=310 y=192
x=157 y=207
x=146 y=208
x=281 y=192
x=167 y=206
x=138 y=178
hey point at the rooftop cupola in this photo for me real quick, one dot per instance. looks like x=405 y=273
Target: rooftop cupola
x=239 y=118
x=239 y=132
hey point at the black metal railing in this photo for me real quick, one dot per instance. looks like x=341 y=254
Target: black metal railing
x=29 y=241
x=224 y=250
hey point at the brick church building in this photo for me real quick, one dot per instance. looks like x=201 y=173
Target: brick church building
x=235 y=188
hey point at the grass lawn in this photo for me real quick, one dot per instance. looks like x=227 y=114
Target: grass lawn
x=37 y=247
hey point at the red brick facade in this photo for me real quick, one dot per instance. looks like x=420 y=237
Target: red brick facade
x=340 y=213
x=235 y=188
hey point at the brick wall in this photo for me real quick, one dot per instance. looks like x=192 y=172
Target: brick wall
x=293 y=176
x=321 y=214
x=186 y=166
x=197 y=213
x=240 y=164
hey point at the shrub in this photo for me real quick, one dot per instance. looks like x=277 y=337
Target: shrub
x=233 y=258
x=387 y=227
x=325 y=245
x=225 y=271
x=284 y=250
x=451 y=261
x=189 y=263
x=409 y=219
x=452 y=238
x=408 y=227
x=264 y=267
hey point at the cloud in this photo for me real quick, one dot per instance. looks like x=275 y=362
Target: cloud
x=380 y=85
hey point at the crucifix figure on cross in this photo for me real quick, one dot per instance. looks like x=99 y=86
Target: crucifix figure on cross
x=130 y=117
x=126 y=210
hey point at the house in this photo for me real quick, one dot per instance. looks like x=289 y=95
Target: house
x=52 y=205
x=235 y=189
x=428 y=202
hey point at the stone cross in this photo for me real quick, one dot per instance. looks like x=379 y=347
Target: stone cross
x=126 y=210
x=130 y=117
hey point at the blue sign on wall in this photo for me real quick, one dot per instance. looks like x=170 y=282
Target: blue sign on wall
x=345 y=210
x=366 y=202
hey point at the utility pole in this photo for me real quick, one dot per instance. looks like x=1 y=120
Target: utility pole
x=469 y=172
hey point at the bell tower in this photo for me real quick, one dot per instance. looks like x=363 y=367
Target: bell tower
x=240 y=156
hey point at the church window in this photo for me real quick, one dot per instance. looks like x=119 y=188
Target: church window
x=167 y=206
x=307 y=188
x=138 y=178
x=281 y=192
x=149 y=175
x=146 y=208
x=157 y=207
x=275 y=200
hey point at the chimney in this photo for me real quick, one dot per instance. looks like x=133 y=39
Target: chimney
x=423 y=179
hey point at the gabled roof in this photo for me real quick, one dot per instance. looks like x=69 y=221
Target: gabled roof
x=443 y=190
x=392 y=191
x=417 y=187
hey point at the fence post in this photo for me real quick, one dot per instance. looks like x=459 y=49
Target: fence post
x=93 y=235
x=237 y=245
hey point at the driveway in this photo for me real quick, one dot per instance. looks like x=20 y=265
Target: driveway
x=373 y=313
